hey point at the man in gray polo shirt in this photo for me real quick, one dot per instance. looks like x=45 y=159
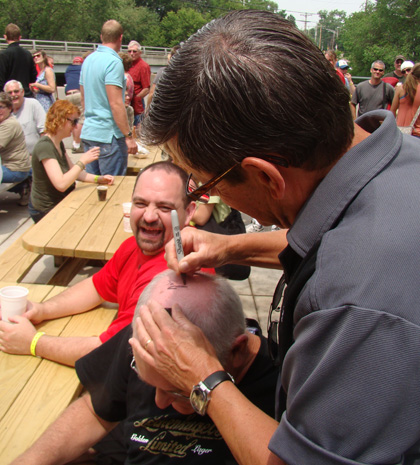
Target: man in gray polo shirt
x=348 y=391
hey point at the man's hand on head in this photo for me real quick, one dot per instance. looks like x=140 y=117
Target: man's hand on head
x=173 y=346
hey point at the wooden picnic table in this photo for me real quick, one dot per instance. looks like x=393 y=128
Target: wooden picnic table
x=81 y=226
x=135 y=163
x=34 y=391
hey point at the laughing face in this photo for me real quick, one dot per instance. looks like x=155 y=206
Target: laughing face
x=156 y=194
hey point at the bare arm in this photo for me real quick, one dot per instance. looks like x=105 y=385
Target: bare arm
x=82 y=97
x=50 y=87
x=143 y=92
x=149 y=98
x=62 y=181
x=79 y=298
x=353 y=110
x=203 y=249
x=75 y=430
x=203 y=213
x=16 y=339
x=177 y=343
x=396 y=100
x=119 y=114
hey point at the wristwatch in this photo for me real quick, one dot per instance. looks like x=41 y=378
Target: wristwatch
x=201 y=392
x=130 y=134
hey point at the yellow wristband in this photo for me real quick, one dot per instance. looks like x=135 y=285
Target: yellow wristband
x=35 y=341
x=96 y=178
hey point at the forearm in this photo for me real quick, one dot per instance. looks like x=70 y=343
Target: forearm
x=260 y=249
x=245 y=429
x=79 y=298
x=63 y=182
x=143 y=92
x=45 y=87
x=77 y=429
x=65 y=350
x=353 y=110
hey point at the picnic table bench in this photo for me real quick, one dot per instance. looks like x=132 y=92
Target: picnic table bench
x=34 y=391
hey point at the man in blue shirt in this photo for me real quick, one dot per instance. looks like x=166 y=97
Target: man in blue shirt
x=102 y=86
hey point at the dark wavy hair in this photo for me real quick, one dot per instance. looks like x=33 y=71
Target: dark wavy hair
x=250 y=84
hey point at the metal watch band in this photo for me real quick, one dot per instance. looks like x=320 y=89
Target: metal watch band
x=216 y=378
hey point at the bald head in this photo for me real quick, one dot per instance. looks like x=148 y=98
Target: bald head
x=207 y=301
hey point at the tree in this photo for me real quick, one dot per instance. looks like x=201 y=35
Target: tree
x=388 y=28
x=327 y=32
x=177 y=27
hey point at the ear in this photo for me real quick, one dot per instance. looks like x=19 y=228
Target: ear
x=238 y=352
x=189 y=212
x=267 y=174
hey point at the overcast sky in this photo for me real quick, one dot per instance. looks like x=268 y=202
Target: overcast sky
x=298 y=8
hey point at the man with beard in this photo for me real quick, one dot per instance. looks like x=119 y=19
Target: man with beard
x=159 y=189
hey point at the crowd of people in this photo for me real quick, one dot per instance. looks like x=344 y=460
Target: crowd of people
x=268 y=125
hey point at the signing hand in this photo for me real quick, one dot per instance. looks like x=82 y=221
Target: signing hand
x=201 y=249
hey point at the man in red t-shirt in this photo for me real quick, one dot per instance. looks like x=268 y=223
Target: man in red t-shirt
x=140 y=72
x=159 y=189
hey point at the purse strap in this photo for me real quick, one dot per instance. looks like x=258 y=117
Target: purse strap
x=415 y=117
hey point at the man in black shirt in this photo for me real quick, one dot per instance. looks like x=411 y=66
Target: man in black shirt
x=158 y=424
x=16 y=62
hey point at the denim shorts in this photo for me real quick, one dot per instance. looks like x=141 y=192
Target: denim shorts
x=112 y=158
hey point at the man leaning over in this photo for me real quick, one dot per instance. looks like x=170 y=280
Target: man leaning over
x=158 y=190
x=102 y=87
x=348 y=391
x=159 y=423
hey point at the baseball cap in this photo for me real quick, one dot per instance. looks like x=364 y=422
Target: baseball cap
x=77 y=60
x=407 y=64
x=399 y=57
x=342 y=64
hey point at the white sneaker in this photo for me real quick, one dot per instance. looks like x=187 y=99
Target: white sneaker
x=275 y=228
x=254 y=228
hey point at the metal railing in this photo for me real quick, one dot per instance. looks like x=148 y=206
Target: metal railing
x=79 y=47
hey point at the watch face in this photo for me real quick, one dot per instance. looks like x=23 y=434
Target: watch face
x=199 y=399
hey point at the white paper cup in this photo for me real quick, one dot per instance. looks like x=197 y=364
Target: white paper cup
x=126 y=219
x=13 y=301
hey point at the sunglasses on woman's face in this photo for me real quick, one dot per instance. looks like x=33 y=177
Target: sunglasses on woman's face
x=73 y=121
x=406 y=70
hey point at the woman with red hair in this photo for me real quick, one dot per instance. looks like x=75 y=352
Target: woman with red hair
x=53 y=172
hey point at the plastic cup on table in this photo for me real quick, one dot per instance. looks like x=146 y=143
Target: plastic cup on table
x=102 y=191
x=13 y=301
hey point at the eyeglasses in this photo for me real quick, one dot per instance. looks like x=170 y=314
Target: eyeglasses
x=378 y=69
x=133 y=51
x=406 y=70
x=37 y=55
x=73 y=121
x=273 y=324
x=11 y=92
x=197 y=194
